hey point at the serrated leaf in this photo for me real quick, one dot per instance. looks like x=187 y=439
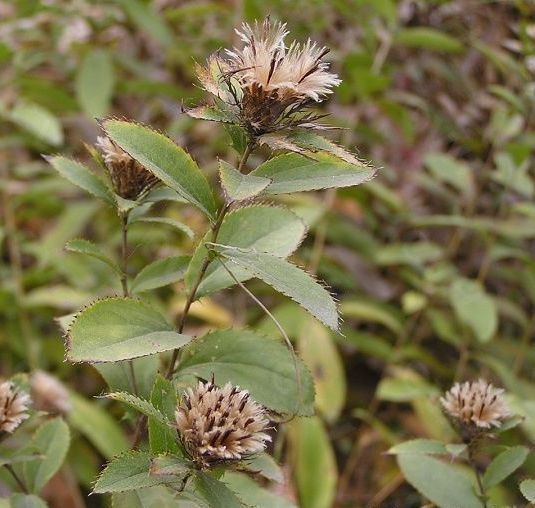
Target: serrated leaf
x=264 y=465
x=505 y=464
x=163 y=438
x=97 y=425
x=215 y=492
x=130 y=471
x=120 y=329
x=474 y=307
x=296 y=173
x=160 y=273
x=527 y=487
x=441 y=483
x=314 y=142
x=210 y=113
x=81 y=176
x=239 y=186
x=151 y=497
x=285 y=278
x=168 y=222
x=38 y=121
x=252 y=494
x=95 y=82
x=166 y=160
x=141 y=405
x=88 y=248
x=262 y=365
x=277 y=231
x=52 y=441
x=170 y=465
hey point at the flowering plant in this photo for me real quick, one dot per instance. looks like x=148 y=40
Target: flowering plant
x=208 y=400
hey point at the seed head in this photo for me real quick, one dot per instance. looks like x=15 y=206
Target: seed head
x=13 y=407
x=49 y=394
x=267 y=82
x=129 y=178
x=477 y=405
x=220 y=424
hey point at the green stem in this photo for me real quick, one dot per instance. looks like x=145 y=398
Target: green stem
x=473 y=465
x=124 y=283
x=191 y=298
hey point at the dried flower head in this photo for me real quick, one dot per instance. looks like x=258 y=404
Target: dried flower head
x=49 y=394
x=129 y=178
x=220 y=424
x=13 y=407
x=475 y=404
x=267 y=83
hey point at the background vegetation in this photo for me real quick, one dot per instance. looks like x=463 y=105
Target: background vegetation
x=432 y=261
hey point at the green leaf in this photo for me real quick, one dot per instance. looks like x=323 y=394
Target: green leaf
x=262 y=365
x=285 y=278
x=251 y=494
x=321 y=356
x=404 y=390
x=413 y=254
x=152 y=497
x=419 y=446
x=52 y=441
x=163 y=438
x=90 y=249
x=295 y=173
x=474 y=307
x=367 y=310
x=504 y=464
x=277 y=231
x=160 y=273
x=211 y=113
x=81 y=176
x=314 y=462
x=168 y=222
x=323 y=146
x=215 y=492
x=264 y=465
x=441 y=483
x=238 y=186
x=96 y=424
x=527 y=487
x=38 y=121
x=118 y=375
x=149 y=21
x=95 y=82
x=428 y=38
x=140 y=405
x=24 y=501
x=166 y=160
x=131 y=471
x=120 y=329
x=450 y=170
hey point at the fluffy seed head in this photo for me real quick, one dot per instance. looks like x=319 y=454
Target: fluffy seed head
x=49 y=394
x=13 y=407
x=268 y=81
x=475 y=404
x=129 y=178
x=220 y=424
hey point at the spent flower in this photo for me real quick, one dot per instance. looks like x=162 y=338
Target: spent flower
x=14 y=406
x=217 y=425
x=129 y=178
x=266 y=84
x=475 y=406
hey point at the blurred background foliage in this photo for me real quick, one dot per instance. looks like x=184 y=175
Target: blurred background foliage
x=432 y=261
